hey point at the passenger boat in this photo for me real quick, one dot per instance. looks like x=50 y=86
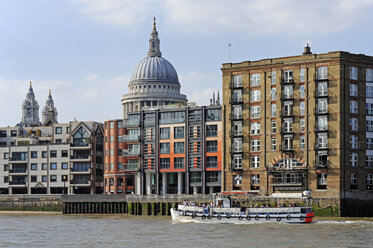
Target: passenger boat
x=222 y=212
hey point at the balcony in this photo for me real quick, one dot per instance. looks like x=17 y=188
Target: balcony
x=321 y=146
x=236 y=85
x=85 y=158
x=80 y=171
x=321 y=93
x=287 y=114
x=287 y=149
x=236 y=150
x=287 y=97
x=130 y=123
x=322 y=129
x=236 y=133
x=81 y=146
x=321 y=165
x=236 y=101
x=288 y=132
x=131 y=137
x=18 y=171
x=80 y=182
x=131 y=167
x=285 y=81
x=235 y=117
x=17 y=160
x=17 y=183
x=321 y=111
x=131 y=152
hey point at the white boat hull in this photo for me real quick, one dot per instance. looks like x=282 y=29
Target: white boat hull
x=233 y=215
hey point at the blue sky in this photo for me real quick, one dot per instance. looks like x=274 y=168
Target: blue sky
x=86 y=50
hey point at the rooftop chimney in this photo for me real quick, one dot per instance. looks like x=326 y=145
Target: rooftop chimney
x=307 y=50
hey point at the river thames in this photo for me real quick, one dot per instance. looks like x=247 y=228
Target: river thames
x=33 y=230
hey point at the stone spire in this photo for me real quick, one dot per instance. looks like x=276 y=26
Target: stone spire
x=218 y=100
x=49 y=113
x=154 y=50
x=30 y=110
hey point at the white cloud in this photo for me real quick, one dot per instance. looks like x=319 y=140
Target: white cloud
x=290 y=17
x=199 y=86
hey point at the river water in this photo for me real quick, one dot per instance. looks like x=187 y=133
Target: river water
x=25 y=230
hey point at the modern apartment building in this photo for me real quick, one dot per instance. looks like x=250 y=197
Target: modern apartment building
x=299 y=123
x=50 y=157
x=166 y=150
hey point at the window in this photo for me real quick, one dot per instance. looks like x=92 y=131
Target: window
x=273 y=110
x=13 y=133
x=322 y=72
x=288 y=125
x=255 y=128
x=322 y=123
x=120 y=166
x=354 y=141
x=237 y=161
x=111 y=124
x=353 y=90
x=64 y=153
x=2 y=134
x=178 y=132
x=58 y=130
x=353 y=124
x=178 y=163
x=369 y=182
x=237 y=128
x=212 y=130
x=369 y=75
x=164 y=133
x=302 y=92
x=237 y=180
x=353 y=159
x=353 y=107
x=369 y=91
x=212 y=162
x=288 y=76
x=34 y=154
x=302 y=142
x=211 y=146
x=255 y=161
x=322 y=89
x=81 y=137
x=237 y=81
x=273 y=94
x=164 y=163
x=212 y=115
x=34 y=179
x=64 y=166
x=120 y=124
x=369 y=107
x=44 y=178
x=288 y=91
x=237 y=112
x=302 y=109
x=255 y=79
x=353 y=73
x=255 y=145
x=179 y=147
x=370 y=143
x=111 y=138
x=255 y=95
x=322 y=140
x=165 y=148
x=322 y=180
x=34 y=166
x=6 y=179
x=273 y=144
x=237 y=96
x=302 y=75
x=53 y=153
x=353 y=181
x=53 y=166
x=288 y=108
x=6 y=155
x=44 y=166
x=237 y=144
x=44 y=154
x=255 y=182
x=273 y=126
x=369 y=125
x=6 y=167
x=302 y=125
x=273 y=77
x=322 y=106
x=255 y=111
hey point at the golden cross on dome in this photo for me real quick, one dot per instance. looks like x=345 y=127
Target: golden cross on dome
x=154 y=22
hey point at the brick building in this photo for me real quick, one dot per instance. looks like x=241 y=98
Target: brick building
x=299 y=123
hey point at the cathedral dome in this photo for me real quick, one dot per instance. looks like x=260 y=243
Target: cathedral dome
x=154 y=69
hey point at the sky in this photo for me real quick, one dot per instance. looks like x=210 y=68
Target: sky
x=85 y=50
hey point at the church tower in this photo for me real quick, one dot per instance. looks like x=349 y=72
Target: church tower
x=30 y=110
x=49 y=113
